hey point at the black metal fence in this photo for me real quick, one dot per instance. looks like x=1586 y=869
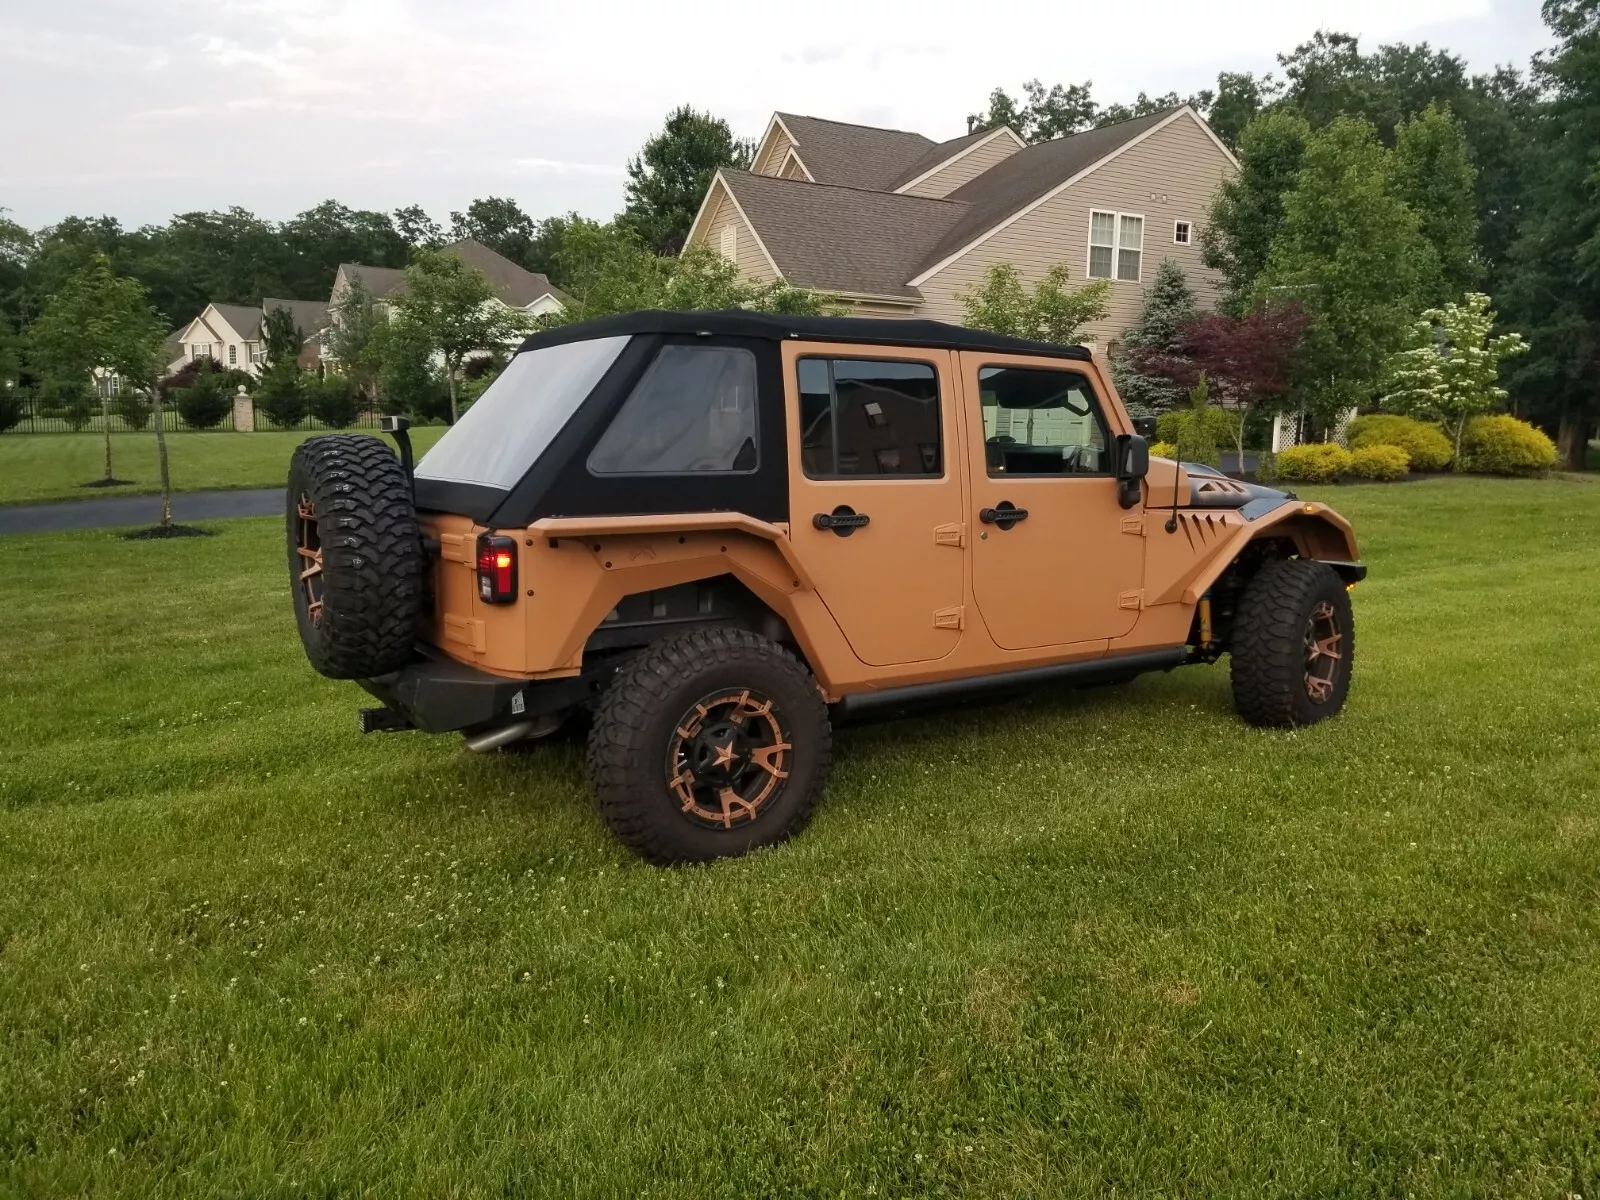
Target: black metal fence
x=44 y=416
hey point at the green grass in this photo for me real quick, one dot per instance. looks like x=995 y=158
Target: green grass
x=1113 y=943
x=54 y=466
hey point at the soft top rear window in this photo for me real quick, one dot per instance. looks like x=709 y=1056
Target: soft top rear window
x=502 y=435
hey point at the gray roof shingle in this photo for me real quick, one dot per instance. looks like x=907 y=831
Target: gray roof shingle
x=310 y=316
x=940 y=153
x=860 y=156
x=246 y=321
x=512 y=283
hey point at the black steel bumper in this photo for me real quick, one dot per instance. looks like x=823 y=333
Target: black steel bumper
x=439 y=695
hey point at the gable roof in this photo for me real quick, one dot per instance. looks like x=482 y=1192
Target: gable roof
x=310 y=316
x=513 y=284
x=841 y=238
x=860 y=156
x=1009 y=186
x=245 y=321
x=943 y=152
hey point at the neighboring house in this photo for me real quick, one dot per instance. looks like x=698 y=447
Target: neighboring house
x=230 y=334
x=514 y=287
x=900 y=225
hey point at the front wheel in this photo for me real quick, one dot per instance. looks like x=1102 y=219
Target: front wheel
x=709 y=745
x=1294 y=640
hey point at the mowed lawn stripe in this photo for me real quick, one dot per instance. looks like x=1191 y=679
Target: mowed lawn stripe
x=1082 y=943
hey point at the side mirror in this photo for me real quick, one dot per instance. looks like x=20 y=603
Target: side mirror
x=1132 y=465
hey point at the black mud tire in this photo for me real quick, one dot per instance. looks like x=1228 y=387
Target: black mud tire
x=1272 y=665
x=637 y=726
x=348 y=500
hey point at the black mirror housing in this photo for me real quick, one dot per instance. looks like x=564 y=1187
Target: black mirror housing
x=1133 y=464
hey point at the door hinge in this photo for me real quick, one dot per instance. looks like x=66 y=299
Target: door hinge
x=454 y=547
x=468 y=631
x=950 y=535
x=1133 y=525
x=950 y=618
x=1131 y=599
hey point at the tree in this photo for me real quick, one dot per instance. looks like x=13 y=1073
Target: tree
x=1249 y=206
x=1553 y=283
x=280 y=394
x=1053 y=312
x=407 y=379
x=1433 y=174
x=281 y=339
x=354 y=338
x=417 y=229
x=452 y=309
x=1240 y=98
x=1046 y=113
x=1349 y=249
x=319 y=239
x=1168 y=311
x=499 y=224
x=102 y=322
x=1451 y=370
x=669 y=177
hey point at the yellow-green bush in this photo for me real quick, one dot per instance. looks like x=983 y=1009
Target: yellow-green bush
x=1379 y=462
x=1163 y=450
x=1425 y=445
x=1315 y=462
x=1503 y=445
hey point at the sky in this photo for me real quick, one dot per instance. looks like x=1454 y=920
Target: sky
x=139 y=109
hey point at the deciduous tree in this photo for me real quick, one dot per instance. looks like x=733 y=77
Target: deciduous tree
x=1433 y=174
x=668 y=178
x=1249 y=206
x=1053 y=311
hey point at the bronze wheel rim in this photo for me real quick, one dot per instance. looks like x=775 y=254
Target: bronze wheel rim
x=308 y=547
x=1324 y=652
x=728 y=758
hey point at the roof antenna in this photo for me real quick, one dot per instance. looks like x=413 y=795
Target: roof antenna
x=1172 y=521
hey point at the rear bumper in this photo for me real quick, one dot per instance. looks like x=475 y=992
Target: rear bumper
x=437 y=694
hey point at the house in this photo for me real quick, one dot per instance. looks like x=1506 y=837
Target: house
x=515 y=287
x=231 y=334
x=900 y=225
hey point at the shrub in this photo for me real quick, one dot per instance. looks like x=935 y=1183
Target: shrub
x=1379 y=462
x=1503 y=445
x=1426 y=444
x=204 y=403
x=1220 y=423
x=134 y=409
x=1315 y=462
x=11 y=412
x=333 y=400
x=1163 y=450
x=281 y=395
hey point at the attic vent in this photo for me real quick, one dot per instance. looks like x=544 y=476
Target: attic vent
x=730 y=243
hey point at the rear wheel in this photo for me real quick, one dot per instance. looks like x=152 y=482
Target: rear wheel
x=355 y=556
x=1293 y=644
x=709 y=745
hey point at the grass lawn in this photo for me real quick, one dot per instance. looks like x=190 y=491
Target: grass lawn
x=53 y=466
x=1113 y=943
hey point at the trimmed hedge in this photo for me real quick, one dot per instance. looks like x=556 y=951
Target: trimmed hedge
x=1503 y=445
x=1425 y=445
x=1315 y=462
x=1379 y=462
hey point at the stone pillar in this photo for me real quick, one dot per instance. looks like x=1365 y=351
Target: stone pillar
x=244 y=412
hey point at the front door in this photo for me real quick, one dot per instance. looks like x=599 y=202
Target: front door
x=1056 y=559
x=876 y=494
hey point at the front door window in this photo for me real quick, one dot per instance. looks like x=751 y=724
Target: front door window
x=1040 y=423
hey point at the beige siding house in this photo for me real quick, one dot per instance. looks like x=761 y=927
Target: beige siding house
x=900 y=225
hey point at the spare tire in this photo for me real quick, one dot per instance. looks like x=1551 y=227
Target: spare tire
x=355 y=556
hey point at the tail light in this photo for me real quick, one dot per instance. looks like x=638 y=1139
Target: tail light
x=497 y=569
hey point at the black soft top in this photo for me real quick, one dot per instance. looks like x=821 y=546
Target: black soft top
x=738 y=322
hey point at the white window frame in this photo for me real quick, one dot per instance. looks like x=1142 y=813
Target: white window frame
x=729 y=239
x=1188 y=233
x=1116 y=244
x=233 y=355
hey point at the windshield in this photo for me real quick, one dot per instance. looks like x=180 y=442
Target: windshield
x=499 y=438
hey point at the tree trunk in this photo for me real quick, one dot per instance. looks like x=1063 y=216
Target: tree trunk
x=1572 y=441
x=161 y=452
x=105 y=424
x=1238 y=438
x=1461 y=427
x=450 y=377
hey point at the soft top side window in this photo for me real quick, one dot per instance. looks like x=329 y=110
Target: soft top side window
x=693 y=411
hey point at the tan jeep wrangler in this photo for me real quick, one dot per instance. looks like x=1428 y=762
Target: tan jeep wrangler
x=716 y=533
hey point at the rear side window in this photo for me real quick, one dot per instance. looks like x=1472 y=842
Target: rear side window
x=869 y=417
x=693 y=411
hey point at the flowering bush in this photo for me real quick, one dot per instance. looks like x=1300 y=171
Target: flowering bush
x=1379 y=462
x=1426 y=445
x=1315 y=462
x=1163 y=450
x=1503 y=445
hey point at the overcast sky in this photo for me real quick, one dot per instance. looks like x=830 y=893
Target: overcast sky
x=141 y=109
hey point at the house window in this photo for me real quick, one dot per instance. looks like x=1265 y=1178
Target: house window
x=200 y=350
x=1180 y=233
x=255 y=352
x=1116 y=246
x=233 y=355
x=730 y=243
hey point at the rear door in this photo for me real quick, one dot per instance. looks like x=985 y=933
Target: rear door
x=876 y=494
x=1055 y=559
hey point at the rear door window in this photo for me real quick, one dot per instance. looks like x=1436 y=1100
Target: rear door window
x=693 y=411
x=869 y=417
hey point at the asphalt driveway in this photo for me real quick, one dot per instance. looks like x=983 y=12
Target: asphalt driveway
x=138 y=510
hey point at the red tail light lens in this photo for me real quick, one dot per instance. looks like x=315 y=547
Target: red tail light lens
x=497 y=569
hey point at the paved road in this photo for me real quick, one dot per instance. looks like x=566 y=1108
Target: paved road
x=138 y=510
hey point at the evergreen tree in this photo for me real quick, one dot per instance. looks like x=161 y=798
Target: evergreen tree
x=1434 y=176
x=1249 y=207
x=1350 y=250
x=1169 y=310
